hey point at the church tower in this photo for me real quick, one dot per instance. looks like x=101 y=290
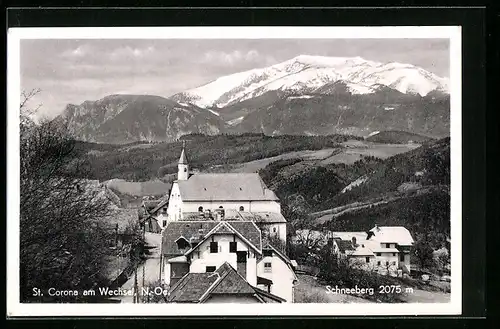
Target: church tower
x=183 y=166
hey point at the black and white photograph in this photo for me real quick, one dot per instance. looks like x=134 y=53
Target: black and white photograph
x=154 y=169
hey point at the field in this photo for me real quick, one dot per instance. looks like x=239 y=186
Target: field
x=355 y=150
x=351 y=152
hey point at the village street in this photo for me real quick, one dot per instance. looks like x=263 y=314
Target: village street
x=148 y=271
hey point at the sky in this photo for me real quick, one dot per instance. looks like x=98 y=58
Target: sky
x=73 y=71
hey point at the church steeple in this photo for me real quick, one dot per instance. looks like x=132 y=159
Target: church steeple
x=183 y=165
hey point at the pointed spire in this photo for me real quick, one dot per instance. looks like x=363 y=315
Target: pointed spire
x=183 y=158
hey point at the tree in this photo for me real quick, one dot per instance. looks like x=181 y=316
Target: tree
x=62 y=245
x=423 y=252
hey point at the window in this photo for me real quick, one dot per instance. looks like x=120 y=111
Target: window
x=387 y=263
x=200 y=209
x=394 y=254
x=164 y=223
x=232 y=246
x=267 y=267
x=242 y=208
x=274 y=229
x=378 y=263
x=394 y=263
x=367 y=259
x=402 y=257
x=378 y=254
x=182 y=243
x=210 y=269
x=185 y=169
x=214 y=247
x=267 y=253
x=221 y=207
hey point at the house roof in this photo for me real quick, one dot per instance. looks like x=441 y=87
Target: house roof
x=225 y=187
x=261 y=280
x=362 y=251
x=247 y=231
x=268 y=297
x=198 y=287
x=394 y=234
x=188 y=229
x=382 y=250
x=178 y=259
x=344 y=245
x=160 y=204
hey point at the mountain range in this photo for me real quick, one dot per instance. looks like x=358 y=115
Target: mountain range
x=306 y=95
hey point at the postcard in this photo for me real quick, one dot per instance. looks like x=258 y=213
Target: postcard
x=190 y=170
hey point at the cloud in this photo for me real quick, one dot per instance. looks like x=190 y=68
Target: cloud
x=79 y=51
x=131 y=52
x=235 y=57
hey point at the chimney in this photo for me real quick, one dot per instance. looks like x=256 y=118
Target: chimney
x=241 y=268
x=369 y=234
x=354 y=241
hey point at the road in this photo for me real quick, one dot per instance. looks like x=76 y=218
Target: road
x=149 y=270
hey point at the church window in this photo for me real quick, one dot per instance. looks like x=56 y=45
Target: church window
x=200 y=208
x=242 y=208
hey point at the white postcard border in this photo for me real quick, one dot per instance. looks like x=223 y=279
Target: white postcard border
x=15 y=308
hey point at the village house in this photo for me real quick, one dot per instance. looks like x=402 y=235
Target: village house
x=192 y=248
x=385 y=249
x=224 y=285
x=233 y=196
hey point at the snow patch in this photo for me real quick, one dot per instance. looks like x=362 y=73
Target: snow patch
x=235 y=121
x=216 y=113
x=373 y=133
x=356 y=183
x=299 y=97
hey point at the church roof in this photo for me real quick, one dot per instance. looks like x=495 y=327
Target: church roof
x=225 y=187
x=183 y=159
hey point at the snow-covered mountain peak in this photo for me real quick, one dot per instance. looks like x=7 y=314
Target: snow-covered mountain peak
x=305 y=73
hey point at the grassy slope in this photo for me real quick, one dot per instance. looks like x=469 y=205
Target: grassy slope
x=398 y=137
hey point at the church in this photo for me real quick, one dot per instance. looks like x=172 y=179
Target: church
x=223 y=196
